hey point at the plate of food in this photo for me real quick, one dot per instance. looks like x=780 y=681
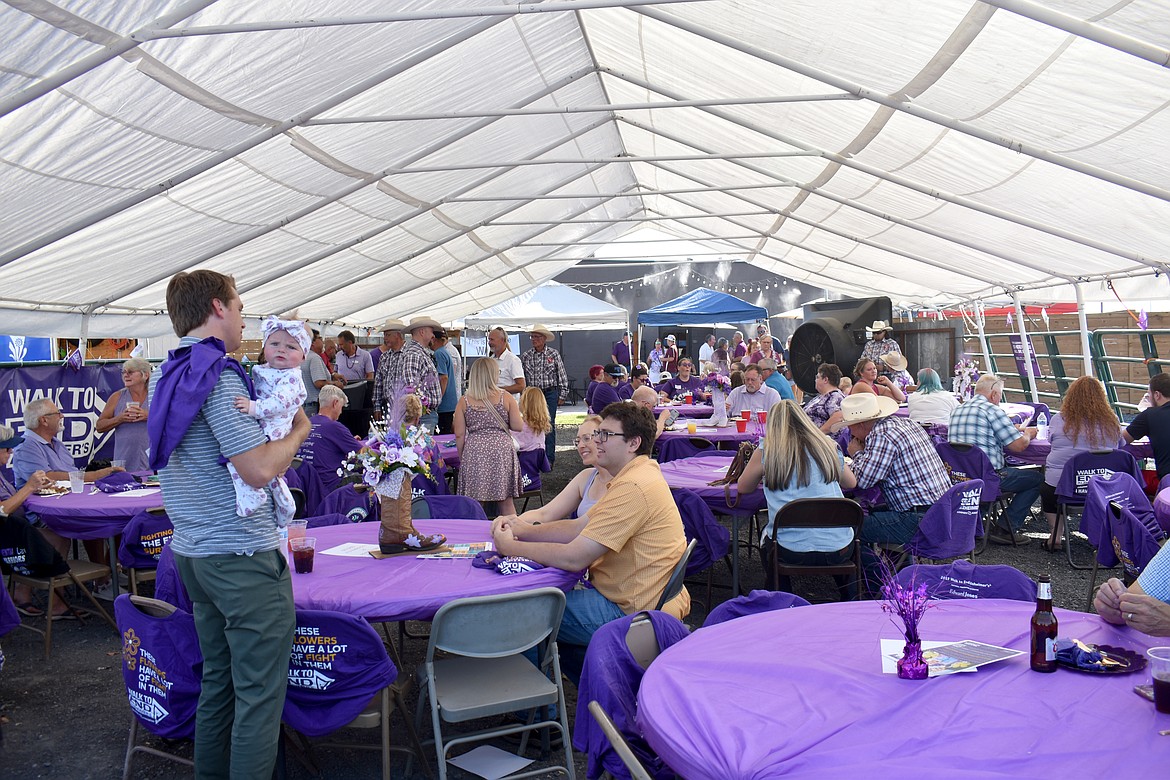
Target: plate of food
x=54 y=489
x=1098 y=659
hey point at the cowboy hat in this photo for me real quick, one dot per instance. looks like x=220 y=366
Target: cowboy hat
x=392 y=324
x=423 y=322
x=540 y=330
x=864 y=407
x=896 y=361
x=878 y=326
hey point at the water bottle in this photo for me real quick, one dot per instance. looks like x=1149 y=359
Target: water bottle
x=1042 y=426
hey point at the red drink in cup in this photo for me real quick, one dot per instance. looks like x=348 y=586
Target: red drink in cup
x=690 y=398
x=302 y=552
x=763 y=417
x=746 y=414
x=741 y=425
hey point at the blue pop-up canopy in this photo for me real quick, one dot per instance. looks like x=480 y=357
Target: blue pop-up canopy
x=702 y=307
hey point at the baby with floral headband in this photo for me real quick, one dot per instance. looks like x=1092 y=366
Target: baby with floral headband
x=280 y=391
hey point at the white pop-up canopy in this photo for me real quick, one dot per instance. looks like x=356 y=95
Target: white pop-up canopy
x=362 y=159
x=557 y=307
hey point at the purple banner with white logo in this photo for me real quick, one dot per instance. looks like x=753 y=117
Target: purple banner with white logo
x=80 y=395
x=1018 y=353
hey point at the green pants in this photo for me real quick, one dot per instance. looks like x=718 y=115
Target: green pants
x=244 y=616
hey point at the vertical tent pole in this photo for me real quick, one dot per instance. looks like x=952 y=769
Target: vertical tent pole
x=982 y=338
x=1026 y=347
x=1084 y=325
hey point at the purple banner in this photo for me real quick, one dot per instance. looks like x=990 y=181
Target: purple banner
x=79 y=394
x=1018 y=353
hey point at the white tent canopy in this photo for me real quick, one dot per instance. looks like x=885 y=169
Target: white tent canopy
x=358 y=160
x=557 y=307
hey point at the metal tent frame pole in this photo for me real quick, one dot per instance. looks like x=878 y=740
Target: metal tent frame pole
x=1025 y=347
x=1083 y=322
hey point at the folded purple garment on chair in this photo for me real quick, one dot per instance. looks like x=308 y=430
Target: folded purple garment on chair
x=118 y=482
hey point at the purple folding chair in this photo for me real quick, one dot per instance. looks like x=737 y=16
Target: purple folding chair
x=335 y=687
x=452 y=508
x=699 y=523
x=618 y=655
x=1124 y=537
x=358 y=505
x=308 y=480
x=966 y=461
x=962 y=579
x=532 y=464
x=1073 y=487
x=755 y=602
x=142 y=543
x=9 y=617
x=949 y=527
x=1123 y=489
x=168 y=586
x=162 y=669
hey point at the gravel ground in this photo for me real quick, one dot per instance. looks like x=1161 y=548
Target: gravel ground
x=67 y=717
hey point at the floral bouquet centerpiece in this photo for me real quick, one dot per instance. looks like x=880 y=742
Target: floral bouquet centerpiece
x=387 y=461
x=966 y=375
x=718 y=386
x=908 y=603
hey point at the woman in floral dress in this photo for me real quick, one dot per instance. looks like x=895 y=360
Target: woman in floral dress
x=489 y=470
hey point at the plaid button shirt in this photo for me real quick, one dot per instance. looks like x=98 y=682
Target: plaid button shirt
x=982 y=423
x=901 y=457
x=876 y=350
x=409 y=366
x=1155 y=578
x=545 y=369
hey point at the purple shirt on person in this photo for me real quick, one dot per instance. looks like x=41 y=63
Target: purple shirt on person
x=604 y=395
x=674 y=388
x=327 y=445
x=621 y=351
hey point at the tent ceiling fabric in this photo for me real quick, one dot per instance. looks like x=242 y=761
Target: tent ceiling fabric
x=352 y=161
x=556 y=306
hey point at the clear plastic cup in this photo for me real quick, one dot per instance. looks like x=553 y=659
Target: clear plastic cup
x=692 y=428
x=1160 y=672
x=296 y=530
x=76 y=481
x=302 y=552
x=118 y=463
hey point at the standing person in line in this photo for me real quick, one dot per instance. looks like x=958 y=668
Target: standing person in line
x=879 y=345
x=544 y=370
x=657 y=358
x=670 y=363
x=315 y=375
x=621 y=351
x=739 y=349
x=449 y=368
x=232 y=567
x=511 y=379
x=484 y=420
x=707 y=351
x=125 y=414
x=721 y=357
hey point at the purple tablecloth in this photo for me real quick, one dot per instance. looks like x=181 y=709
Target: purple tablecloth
x=405 y=587
x=813 y=702
x=448 y=450
x=93 y=514
x=686 y=410
x=694 y=474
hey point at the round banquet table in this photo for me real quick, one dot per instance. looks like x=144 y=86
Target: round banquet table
x=92 y=514
x=1036 y=453
x=694 y=473
x=685 y=410
x=812 y=702
x=406 y=587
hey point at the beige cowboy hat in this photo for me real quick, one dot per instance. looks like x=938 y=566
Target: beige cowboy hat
x=896 y=361
x=864 y=407
x=423 y=322
x=540 y=330
x=391 y=324
x=878 y=325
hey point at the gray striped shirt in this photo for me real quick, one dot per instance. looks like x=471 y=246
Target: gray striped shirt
x=197 y=489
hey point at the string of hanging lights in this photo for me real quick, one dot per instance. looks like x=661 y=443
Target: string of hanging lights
x=685 y=274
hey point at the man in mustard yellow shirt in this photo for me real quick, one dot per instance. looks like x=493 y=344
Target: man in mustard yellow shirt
x=630 y=540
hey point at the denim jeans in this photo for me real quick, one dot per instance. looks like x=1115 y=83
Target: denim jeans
x=552 y=396
x=586 y=610
x=1025 y=483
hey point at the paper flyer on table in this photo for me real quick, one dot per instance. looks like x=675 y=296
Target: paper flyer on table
x=947 y=657
x=351 y=550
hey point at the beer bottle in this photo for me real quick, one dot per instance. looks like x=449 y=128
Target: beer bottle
x=1044 y=629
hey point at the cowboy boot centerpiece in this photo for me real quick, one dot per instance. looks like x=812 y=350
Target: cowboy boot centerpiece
x=396 y=532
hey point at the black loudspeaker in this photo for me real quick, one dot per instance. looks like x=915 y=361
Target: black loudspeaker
x=833 y=332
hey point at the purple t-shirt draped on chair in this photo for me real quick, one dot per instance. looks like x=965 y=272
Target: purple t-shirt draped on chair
x=327 y=445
